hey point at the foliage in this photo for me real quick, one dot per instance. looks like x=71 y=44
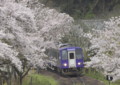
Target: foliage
x=29 y=28
x=91 y=72
x=78 y=37
x=83 y=8
x=89 y=15
x=105 y=44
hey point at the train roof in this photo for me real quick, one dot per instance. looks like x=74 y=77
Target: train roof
x=66 y=46
x=70 y=48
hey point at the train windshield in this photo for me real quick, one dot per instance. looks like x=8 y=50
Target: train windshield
x=79 y=54
x=64 y=55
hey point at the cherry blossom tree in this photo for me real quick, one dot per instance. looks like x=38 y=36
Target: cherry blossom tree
x=33 y=29
x=29 y=29
x=8 y=59
x=7 y=53
x=106 y=46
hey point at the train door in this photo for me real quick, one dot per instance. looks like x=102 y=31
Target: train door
x=72 y=59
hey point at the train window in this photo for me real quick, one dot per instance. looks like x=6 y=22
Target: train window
x=64 y=54
x=71 y=55
x=79 y=54
x=52 y=53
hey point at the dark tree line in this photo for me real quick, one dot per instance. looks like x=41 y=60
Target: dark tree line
x=83 y=8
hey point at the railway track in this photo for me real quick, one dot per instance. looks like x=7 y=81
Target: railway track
x=76 y=80
x=71 y=80
x=81 y=80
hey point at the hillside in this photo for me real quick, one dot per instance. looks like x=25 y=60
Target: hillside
x=86 y=9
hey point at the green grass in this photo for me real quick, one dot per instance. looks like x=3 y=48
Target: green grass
x=38 y=79
x=99 y=76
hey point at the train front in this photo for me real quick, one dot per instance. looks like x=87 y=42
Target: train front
x=71 y=60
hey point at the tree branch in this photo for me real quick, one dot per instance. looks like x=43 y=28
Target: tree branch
x=26 y=72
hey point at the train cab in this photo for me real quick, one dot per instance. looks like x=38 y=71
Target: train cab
x=67 y=59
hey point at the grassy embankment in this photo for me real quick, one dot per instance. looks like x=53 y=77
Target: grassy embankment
x=39 y=79
x=97 y=75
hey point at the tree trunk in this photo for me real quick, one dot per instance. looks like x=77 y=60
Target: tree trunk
x=21 y=80
x=1 y=81
x=8 y=82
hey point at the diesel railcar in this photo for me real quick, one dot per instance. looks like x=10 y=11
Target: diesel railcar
x=66 y=59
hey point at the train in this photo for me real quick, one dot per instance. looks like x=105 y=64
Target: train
x=66 y=59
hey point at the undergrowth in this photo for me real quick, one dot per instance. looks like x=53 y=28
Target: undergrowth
x=38 y=79
x=99 y=76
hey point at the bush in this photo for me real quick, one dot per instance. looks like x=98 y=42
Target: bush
x=89 y=15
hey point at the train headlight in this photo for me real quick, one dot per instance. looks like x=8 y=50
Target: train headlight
x=79 y=63
x=65 y=64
